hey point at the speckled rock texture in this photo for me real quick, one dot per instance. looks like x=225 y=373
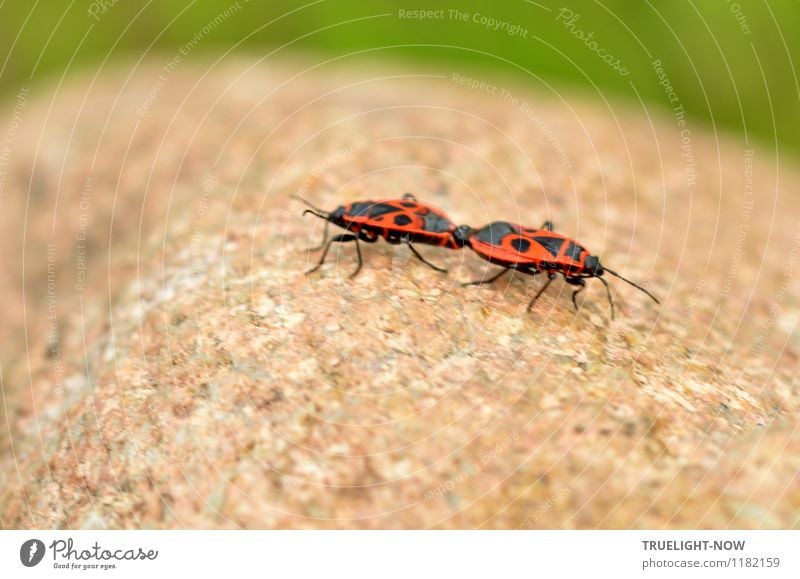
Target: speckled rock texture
x=166 y=362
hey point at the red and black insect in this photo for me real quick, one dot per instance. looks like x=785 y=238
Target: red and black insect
x=533 y=251
x=405 y=220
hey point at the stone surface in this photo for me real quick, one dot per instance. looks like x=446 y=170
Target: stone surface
x=166 y=363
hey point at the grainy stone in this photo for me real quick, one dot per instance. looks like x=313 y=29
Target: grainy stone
x=201 y=379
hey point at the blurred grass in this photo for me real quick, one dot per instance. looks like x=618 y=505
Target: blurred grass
x=730 y=62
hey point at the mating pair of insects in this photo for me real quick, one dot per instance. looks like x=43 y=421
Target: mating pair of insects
x=513 y=247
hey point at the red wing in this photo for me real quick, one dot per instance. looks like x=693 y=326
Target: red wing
x=532 y=254
x=410 y=216
x=514 y=244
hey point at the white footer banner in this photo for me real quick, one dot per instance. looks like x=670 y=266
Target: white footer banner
x=382 y=554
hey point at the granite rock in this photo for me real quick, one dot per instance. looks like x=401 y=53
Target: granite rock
x=166 y=362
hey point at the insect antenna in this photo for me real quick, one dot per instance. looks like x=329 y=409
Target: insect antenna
x=314 y=210
x=629 y=282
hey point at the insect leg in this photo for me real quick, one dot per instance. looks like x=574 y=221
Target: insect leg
x=367 y=236
x=490 y=280
x=608 y=293
x=344 y=237
x=324 y=238
x=550 y=279
x=575 y=294
x=422 y=259
x=358 y=253
x=547 y=225
x=409 y=196
x=578 y=281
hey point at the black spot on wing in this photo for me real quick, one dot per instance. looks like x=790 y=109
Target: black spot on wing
x=494 y=233
x=402 y=219
x=574 y=251
x=360 y=209
x=382 y=209
x=437 y=224
x=521 y=244
x=551 y=244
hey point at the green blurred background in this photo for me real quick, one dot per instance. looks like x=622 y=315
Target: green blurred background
x=731 y=63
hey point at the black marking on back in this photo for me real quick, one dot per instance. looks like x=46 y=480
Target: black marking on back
x=382 y=209
x=402 y=219
x=437 y=224
x=521 y=244
x=574 y=251
x=551 y=244
x=359 y=209
x=494 y=233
